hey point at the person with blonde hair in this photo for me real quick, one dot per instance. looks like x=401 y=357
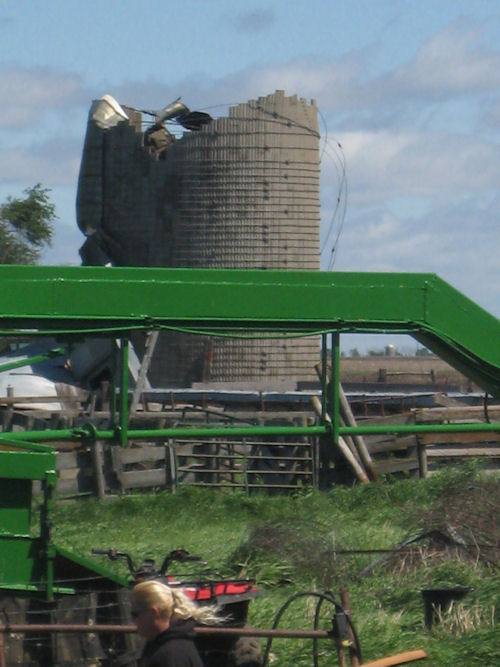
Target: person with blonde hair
x=166 y=618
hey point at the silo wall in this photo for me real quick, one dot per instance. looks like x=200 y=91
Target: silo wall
x=242 y=192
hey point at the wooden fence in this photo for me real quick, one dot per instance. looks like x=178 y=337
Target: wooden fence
x=423 y=454
x=244 y=464
x=274 y=464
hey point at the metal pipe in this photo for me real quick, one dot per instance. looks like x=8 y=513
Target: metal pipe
x=408 y=656
x=112 y=404
x=124 y=348
x=11 y=628
x=56 y=352
x=324 y=376
x=52 y=435
x=335 y=385
x=220 y=431
x=47 y=435
x=260 y=632
x=421 y=428
x=6 y=440
x=354 y=650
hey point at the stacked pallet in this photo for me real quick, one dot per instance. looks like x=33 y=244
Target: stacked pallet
x=446 y=448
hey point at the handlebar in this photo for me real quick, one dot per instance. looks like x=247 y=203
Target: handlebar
x=113 y=554
x=148 y=565
x=179 y=555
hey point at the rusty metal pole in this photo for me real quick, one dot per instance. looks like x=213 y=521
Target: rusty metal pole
x=408 y=656
x=353 y=647
x=11 y=628
x=2 y=651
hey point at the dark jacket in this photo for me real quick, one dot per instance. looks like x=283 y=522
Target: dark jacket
x=172 y=648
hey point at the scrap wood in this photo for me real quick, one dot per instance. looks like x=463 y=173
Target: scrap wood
x=358 y=439
x=347 y=418
x=343 y=447
x=399 y=659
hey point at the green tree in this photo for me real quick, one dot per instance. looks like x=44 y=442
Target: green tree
x=26 y=226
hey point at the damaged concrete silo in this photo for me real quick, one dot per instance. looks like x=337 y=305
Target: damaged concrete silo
x=240 y=191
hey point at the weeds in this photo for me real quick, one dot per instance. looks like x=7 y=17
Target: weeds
x=460 y=618
x=318 y=541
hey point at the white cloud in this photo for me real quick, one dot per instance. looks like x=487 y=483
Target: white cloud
x=333 y=82
x=379 y=241
x=457 y=240
x=422 y=191
x=386 y=164
x=451 y=63
x=448 y=68
x=28 y=93
x=55 y=162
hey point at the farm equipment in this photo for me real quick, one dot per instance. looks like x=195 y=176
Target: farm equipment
x=42 y=583
x=231 y=596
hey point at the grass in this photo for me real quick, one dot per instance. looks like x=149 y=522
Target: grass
x=317 y=541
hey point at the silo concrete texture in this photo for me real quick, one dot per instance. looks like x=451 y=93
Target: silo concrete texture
x=119 y=191
x=242 y=192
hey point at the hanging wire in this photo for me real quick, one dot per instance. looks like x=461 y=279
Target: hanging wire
x=332 y=149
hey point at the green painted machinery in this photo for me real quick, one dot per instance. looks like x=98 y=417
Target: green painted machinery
x=114 y=301
x=71 y=303
x=74 y=302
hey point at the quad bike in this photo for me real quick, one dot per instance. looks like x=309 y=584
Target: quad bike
x=231 y=596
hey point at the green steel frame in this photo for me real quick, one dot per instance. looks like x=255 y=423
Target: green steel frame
x=90 y=300
x=71 y=302
x=74 y=302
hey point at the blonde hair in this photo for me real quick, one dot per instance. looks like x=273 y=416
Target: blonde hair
x=173 y=603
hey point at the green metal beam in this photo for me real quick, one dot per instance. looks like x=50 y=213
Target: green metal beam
x=335 y=387
x=124 y=349
x=8 y=442
x=59 y=300
x=256 y=431
x=56 y=352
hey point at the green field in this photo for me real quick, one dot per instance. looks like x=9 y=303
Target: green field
x=324 y=541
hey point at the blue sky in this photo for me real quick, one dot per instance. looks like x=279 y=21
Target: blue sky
x=409 y=89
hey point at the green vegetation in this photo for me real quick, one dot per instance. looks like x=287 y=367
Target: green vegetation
x=26 y=226
x=318 y=541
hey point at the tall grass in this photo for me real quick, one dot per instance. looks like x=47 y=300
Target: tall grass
x=318 y=541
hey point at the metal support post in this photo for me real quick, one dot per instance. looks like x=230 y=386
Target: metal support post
x=49 y=551
x=324 y=376
x=114 y=370
x=124 y=347
x=335 y=386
